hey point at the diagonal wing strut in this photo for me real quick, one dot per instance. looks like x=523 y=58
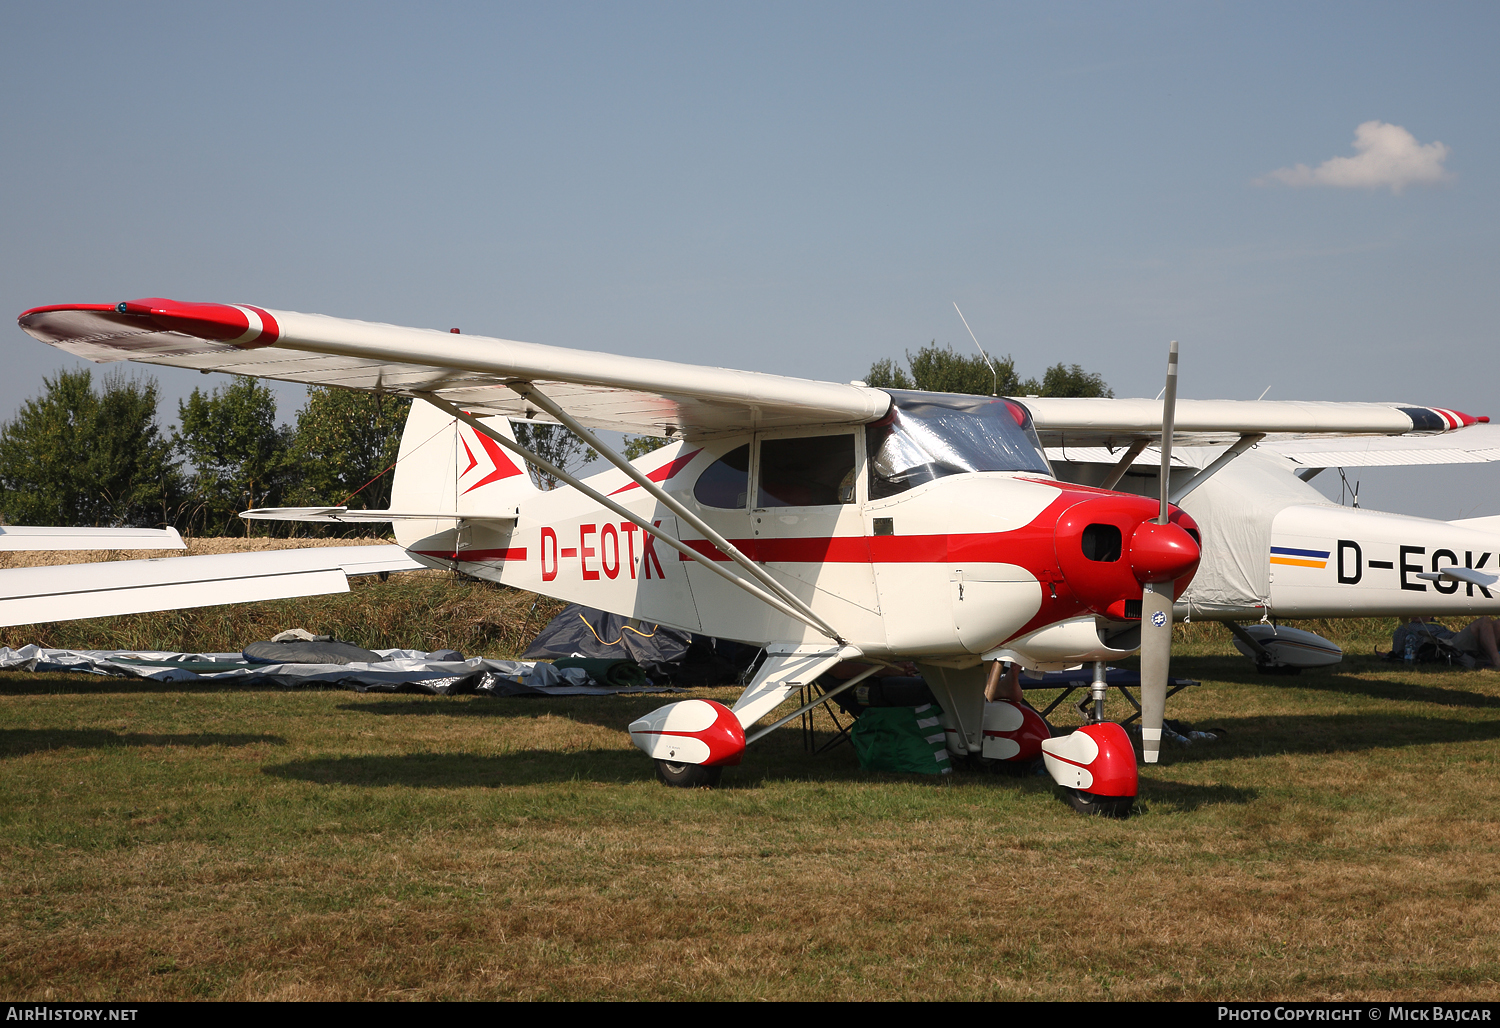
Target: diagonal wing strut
x=669 y=501
x=811 y=620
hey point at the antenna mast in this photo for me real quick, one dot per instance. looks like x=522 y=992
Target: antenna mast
x=995 y=391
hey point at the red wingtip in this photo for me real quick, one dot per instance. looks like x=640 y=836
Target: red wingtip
x=239 y=325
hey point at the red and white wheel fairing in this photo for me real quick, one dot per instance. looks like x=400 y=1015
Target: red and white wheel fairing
x=1097 y=758
x=691 y=732
x=1013 y=732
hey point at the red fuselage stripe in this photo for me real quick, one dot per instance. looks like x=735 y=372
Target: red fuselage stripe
x=475 y=556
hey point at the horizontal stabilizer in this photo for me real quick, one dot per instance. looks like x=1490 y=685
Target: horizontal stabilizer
x=71 y=591
x=343 y=515
x=1468 y=576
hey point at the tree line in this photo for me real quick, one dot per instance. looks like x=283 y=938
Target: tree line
x=87 y=453
x=941 y=369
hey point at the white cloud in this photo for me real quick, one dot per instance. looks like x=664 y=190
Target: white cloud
x=1388 y=155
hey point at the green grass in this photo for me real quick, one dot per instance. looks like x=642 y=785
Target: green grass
x=163 y=842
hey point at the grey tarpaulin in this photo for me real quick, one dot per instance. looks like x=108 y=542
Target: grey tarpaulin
x=396 y=671
x=585 y=632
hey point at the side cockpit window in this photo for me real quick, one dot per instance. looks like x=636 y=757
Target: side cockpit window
x=814 y=471
x=726 y=482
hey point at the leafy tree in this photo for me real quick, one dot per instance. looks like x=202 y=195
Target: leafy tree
x=640 y=445
x=1072 y=380
x=240 y=456
x=940 y=369
x=887 y=374
x=344 y=444
x=74 y=456
x=553 y=443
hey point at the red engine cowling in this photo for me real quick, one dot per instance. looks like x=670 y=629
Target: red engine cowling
x=1108 y=546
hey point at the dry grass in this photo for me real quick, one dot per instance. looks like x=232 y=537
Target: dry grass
x=168 y=842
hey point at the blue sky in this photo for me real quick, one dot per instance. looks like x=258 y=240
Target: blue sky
x=800 y=188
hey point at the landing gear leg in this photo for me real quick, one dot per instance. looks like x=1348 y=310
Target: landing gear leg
x=1098 y=691
x=1095 y=804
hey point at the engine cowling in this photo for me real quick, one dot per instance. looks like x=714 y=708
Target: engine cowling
x=1108 y=546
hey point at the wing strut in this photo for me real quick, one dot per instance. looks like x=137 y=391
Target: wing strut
x=669 y=501
x=1123 y=465
x=643 y=523
x=1244 y=443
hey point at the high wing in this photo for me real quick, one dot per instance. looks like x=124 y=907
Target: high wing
x=630 y=394
x=1477 y=444
x=70 y=591
x=1113 y=424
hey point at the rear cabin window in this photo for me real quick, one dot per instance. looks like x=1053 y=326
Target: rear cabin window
x=814 y=471
x=726 y=482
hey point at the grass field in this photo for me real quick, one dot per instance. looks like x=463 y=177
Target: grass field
x=163 y=842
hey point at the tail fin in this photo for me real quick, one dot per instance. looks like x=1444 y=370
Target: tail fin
x=445 y=465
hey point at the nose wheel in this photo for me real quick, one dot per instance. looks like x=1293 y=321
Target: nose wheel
x=1093 y=805
x=688 y=776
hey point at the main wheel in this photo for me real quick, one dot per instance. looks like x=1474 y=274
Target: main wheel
x=1094 y=805
x=688 y=776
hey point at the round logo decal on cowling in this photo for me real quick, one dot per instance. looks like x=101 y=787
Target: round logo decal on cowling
x=1159 y=618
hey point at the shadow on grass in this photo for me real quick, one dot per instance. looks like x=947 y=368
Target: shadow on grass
x=1405 y=691
x=613 y=712
x=46 y=683
x=15 y=742
x=1180 y=796
x=1248 y=737
x=465 y=771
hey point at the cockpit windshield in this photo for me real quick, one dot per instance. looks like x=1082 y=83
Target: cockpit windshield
x=932 y=435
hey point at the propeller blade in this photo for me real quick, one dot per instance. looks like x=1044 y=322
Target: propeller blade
x=1168 y=420
x=1156 y=597
x=1156 y=659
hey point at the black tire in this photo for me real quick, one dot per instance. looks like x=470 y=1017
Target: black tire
x=1092 y=805
x=688 y=776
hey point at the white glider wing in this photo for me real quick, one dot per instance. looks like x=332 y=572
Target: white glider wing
x=27 y=537
x=70 y=591
x=630 y=394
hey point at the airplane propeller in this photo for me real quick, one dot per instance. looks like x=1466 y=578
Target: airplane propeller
x=1151 y=552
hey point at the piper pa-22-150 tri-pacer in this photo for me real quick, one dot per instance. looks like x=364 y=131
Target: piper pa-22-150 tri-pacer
x=826 y=522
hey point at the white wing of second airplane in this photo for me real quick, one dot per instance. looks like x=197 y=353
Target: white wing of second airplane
x=628 y=394
x=28 y=537
x=1476 y=444
x=70 y=591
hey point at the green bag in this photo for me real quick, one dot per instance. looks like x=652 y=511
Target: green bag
x=903 y=739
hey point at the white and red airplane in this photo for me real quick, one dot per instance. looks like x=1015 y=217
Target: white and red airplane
x=827 y=522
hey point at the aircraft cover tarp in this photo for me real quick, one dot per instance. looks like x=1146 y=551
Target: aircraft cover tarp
x=1235 y=513
x=585 y=632
x=396 y=671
